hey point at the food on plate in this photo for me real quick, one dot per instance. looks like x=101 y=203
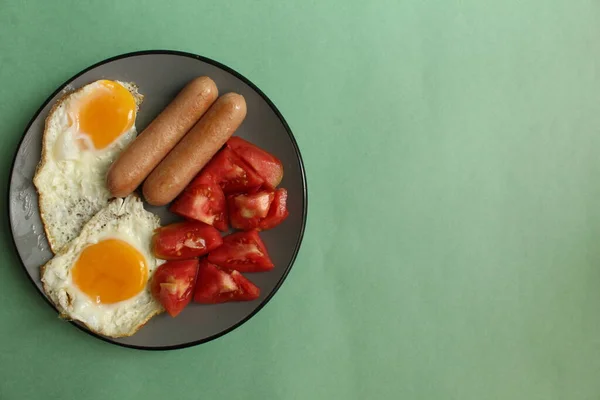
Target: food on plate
x=215 y=285
x=264 y=163
x=243 y=252
x=154 y=143
x=101 y=278
x=173 y=284
x=204 y=203
x=184 y=240
x=108 y=272
x=85 y=132
x=246 y=211
x=195 y=150
x=277 y=212
x=230 y=172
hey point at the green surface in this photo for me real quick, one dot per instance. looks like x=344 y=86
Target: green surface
x=472 y=126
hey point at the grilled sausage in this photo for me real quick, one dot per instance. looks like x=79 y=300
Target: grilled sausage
x=154 y=143
x=196 y=149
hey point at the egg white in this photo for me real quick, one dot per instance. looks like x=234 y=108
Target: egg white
x=71 y=182
x=123 y=219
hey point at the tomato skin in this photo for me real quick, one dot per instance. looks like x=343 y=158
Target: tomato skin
x=266 y=165
x=243 y=252
x=215 y=285
x=231 y=172
x=173 y=284
x=277 y=212
x=184 y=240
x=246 y=211
x=202 y=202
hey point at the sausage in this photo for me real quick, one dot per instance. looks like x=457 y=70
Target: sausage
x=196 y=149
x=154 y=143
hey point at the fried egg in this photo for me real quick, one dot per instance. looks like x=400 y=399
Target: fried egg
x=84 y=133
x=102 y=277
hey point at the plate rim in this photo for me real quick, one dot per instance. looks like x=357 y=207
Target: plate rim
x=296 y=150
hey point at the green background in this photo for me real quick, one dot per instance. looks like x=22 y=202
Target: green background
x=452 y=155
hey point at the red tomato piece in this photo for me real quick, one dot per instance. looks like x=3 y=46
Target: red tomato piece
x=247 y=210
x=217 y=286
x=185 y=240
x=266 y=165
x=277 y=212
x=242 y=251
x=173 y=284
x=204 y=203
x=230 y=172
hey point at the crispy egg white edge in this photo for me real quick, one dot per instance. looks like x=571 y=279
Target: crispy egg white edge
x=57 y=282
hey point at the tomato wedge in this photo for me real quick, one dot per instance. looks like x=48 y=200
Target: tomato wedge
x=277 y=212
x=173 y=284
x=262 y=210
x=217 y=286
x=185 y=240
x=266 y=165
x=230 y=172
x=204 y=203
x=242 y=251
x=247 y=210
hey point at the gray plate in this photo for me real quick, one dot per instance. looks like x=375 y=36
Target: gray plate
x=160 y=75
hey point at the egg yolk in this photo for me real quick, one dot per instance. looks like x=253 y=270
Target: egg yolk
x=106 y=113
x=110 y=271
